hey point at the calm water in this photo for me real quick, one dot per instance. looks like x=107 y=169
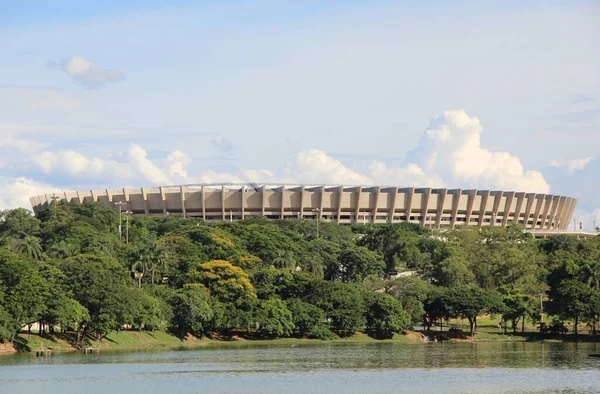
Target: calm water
x=328 y=368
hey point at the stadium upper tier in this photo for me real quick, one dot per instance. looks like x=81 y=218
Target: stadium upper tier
x=435 y=208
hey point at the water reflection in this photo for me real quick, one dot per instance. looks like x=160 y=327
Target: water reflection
x=447 y=367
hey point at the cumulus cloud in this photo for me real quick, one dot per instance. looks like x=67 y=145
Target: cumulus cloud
x=177 y=164
x=572 y=165
x=450 y=149
x=138 y=158
x=87 y=73
x=16 y=193
x=77 y=165
x=315 y=166
x=449 y=154
x=136 y=166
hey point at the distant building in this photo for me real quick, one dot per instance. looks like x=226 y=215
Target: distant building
x=433 y=208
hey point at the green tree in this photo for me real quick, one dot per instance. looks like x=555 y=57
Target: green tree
x=470 y=301
x=573 y=300
x=385 y=316
x=29 y=246
x=518 y=306
x=309 y=320
x=23 y=290
x=98 y=283
x=285 y=259
x=357 y=263
x=274 y=318
x=412 y=292
x=192 y=312
x=343 y=305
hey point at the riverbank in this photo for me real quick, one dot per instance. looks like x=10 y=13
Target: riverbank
x=136 y=340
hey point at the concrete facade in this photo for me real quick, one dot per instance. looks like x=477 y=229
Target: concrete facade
x=434 y=208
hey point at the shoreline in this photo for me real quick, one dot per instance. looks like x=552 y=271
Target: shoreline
x=159 y=340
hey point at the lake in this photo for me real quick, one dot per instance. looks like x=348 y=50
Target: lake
x=327 y=368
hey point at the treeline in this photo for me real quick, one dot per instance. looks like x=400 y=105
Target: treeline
x=70 y=270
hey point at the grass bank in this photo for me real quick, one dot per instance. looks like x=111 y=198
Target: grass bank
x=137 y=340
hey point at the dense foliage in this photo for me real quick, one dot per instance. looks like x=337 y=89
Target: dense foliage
x=70 y=270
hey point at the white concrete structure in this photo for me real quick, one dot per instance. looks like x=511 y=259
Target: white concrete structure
x=434 y=208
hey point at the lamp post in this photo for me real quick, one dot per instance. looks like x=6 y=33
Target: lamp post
x=127 y=213
x=318 y=211
x=120 y=205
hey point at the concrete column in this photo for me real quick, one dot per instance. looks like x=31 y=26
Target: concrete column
x=456 y=194
x=441 y=199
x=509 y=199
x=340 y=199
x=203 y=199
x=409 y=197
x=530 y=197
x=392 y=211
x=163 y=199
x=376 y=204
x=182 y=196
x=485 y=194
x=470 y=202
x=358 y=197
x=145 y=199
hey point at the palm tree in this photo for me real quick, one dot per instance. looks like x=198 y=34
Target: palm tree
x=285 y=259
x=591 y=275
x=138 y=269
x=315 y=266
x=156 y=259
x=30 y=246
x=63 y=250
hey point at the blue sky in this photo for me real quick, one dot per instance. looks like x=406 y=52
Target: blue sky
x=454 y=94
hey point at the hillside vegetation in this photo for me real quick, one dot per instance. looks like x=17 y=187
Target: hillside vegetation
x=68 y=271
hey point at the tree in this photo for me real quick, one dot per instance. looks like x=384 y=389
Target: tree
x=573 y=300
x=518 y=306
x=385 y=316
x=274 y=318
x=192 y=312
x=309 y=320
x=453 y=271
x=29 y=246
x=227 y=283
x=343 y=305
x=285 y=259
x=22 y=289
x=412 y=292
x=357 y=263
x=470 y=301
x=18 y=223
x=98 y=283
x=591 y=275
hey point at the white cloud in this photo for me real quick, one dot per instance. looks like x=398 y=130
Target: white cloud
x=315 y=166
x=138 y=158
x=572 y=165
x=87 y=73
x=450 y=149
x=10 y=137
x=177 y=164
x=449 y=154
x=77 y=165
x=135 y=167
x=16 y=193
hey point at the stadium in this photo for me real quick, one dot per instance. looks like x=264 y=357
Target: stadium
x=432 y=208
